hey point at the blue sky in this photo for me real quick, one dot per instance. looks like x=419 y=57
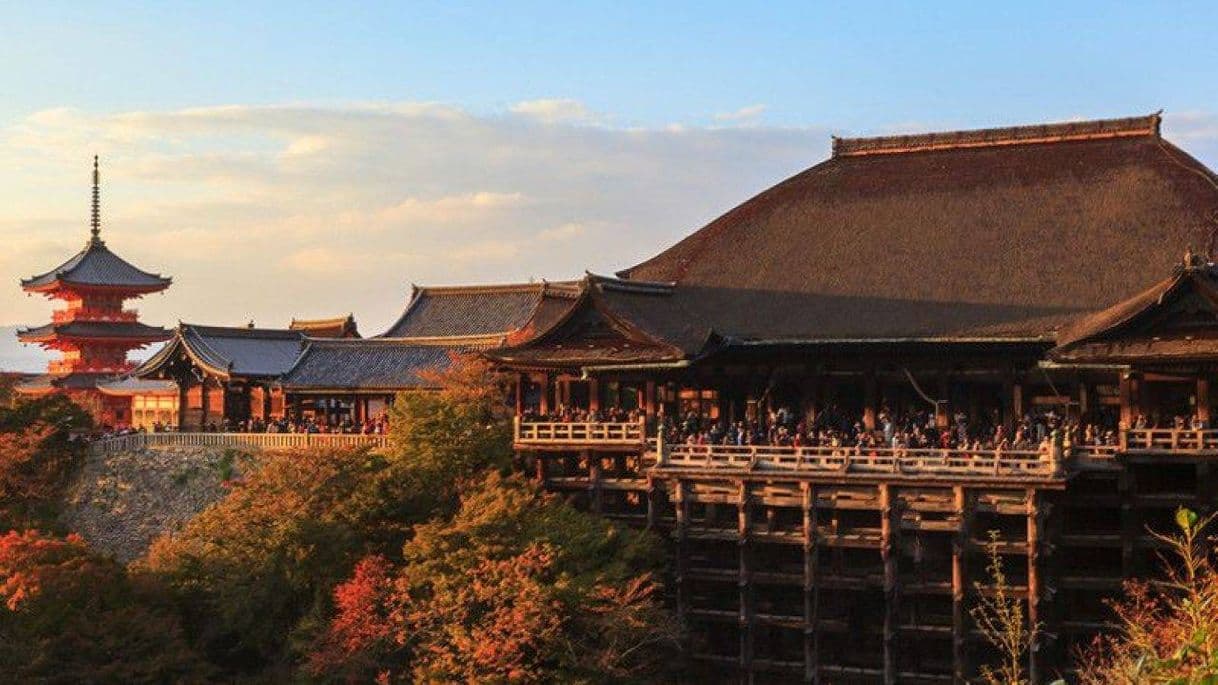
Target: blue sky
x=310 y=159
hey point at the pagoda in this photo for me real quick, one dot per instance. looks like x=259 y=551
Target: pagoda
x=92 y=332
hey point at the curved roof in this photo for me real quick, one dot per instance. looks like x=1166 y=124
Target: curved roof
x=336 y=327
x=377 y=364
x=96 y=266
x=1002 y=232
x=94 y=330
x=227 y=352
x=475 y=309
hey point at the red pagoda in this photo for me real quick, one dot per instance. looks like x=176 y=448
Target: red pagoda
x=93 y=332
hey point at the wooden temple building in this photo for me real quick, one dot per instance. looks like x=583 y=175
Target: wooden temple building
x=979 y=280
x=92 y=332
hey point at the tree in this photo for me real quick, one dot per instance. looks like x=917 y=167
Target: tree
x=1168 y=630
x=69 y=616
x=516 y=587
x=38 y=454
x=999 y=617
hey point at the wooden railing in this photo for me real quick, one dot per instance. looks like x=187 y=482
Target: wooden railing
x=257 y=441
x=586 y=433
x=1171 y=440
x=912 y=462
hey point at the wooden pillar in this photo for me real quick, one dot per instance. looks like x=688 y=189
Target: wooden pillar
x=594 y=394
x=681 y=516
x=1126 y=395
x=593 y=460
x=1084 y=399
x=745 y=582
x=870 y=392
x=1035 y=522
x=204 y=403
x=1130 y=530
x=545 y=393
x=811 y=591
x=649 y=399
x=183 y=402
x=889 y=551
x=521 y=379
x=942 y=406
x=1203 y=400
x=960 y=617
x=266 y=403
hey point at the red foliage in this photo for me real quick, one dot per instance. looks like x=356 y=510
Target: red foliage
x=23 y=473
x=31 y=562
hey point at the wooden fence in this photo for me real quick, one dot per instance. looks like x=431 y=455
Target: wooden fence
x=254 y=441
x=591 y=433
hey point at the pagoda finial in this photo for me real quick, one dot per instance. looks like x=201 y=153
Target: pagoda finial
x=96 y=230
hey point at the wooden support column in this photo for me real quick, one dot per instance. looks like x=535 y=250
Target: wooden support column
x=546 y=383
x=204 y=403
x=889 y=551
x=539 y=462
x=593 y=460
x=266 y=403
x=870 y=392
x=653 y=503
x=521 y=379
x=1130 y=530
x=1008 y=401
x=1126 y=395
x=744 y=581
x=649 y=399
x=961 y=669
x=183 y=402
x=1035 y=522
x=594 y=394
x=1203 y=401
x=942 y=407
x=681 y=515
x=811 y=591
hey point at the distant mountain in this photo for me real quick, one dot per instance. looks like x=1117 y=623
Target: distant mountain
x=17 y=357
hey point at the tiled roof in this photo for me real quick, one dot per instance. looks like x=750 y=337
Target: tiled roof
x=131 y=385
x=1009 y=230
x=96 y=266
x=114 y=330
x=255 y=352
x=474 y=310
x=377 y=364
x=51 y=382
x=337 y=327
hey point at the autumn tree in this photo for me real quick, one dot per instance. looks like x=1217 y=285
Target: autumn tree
x=1168 y=630
x=70 y=616
x=517 y=587
x=39 y=451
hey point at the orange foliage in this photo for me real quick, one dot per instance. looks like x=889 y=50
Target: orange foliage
x=31 y=562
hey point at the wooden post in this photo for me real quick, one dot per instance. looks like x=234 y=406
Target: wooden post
x=681 y=515
x=1008 y=400
x=1126 y=395
x=521 y=379
x=942 y=417
x=811 y=591
x=1203 y=401
x=204 y=403
x=889 y=522
x=593 y=461
x=594 y=395
x=266 y=403
x=183 y=402
x=1034 y=589
x=870 y=391
x=545 y=394
x=960 y=618
x=745 y=584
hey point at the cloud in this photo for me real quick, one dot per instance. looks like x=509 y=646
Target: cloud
x=275 y=211
x=554 y=110
x=744 y=114
x=562 y=232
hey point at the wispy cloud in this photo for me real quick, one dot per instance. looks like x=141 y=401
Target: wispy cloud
x=742 y=115
x=270 y=212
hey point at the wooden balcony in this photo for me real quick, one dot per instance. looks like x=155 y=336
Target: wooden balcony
x=913 y=463
x=591 y=434
x=1171 y=441
x=250 y=441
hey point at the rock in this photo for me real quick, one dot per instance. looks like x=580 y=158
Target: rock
x=121 y=502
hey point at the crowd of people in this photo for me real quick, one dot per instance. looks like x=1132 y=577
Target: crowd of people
x=836 y=428
x=378 y=425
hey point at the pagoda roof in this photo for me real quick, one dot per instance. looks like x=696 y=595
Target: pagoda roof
x=230 y=351
x=128 y=385
x=97 y=267
x=1006 y=234
x=94 y=330
x=336 y=327
x=49 y=382
x=377 y=364
x=479 y=310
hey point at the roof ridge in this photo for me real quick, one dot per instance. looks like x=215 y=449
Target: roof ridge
x=1093 y=129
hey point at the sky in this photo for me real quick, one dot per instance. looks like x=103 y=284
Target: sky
x=306 y=159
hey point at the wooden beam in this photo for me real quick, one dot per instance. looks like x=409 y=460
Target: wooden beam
x=889 y=526
x=1034 y=585
x=811 y=589
x=745 y=582
x=961 y=669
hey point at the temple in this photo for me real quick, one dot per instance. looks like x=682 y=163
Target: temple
x=93 y=332
x=834 y=400
x=831 y=397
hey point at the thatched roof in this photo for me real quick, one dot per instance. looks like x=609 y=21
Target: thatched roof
x=1007 y=233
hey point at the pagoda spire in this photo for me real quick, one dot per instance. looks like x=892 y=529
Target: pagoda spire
x=96 y=223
